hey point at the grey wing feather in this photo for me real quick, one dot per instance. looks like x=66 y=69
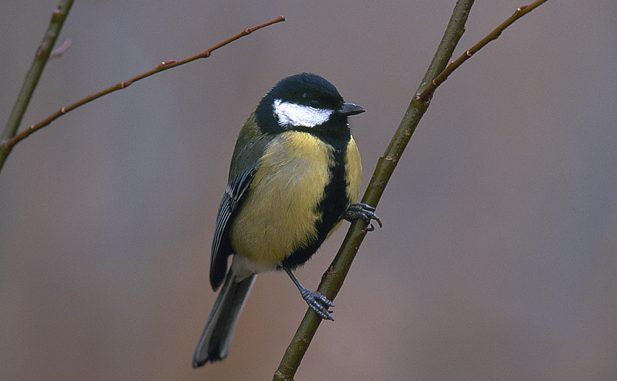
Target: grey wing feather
x=249 y=148
x=221 y=248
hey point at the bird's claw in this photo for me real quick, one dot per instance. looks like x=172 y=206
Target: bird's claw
x=364 y=212
x=318 y=303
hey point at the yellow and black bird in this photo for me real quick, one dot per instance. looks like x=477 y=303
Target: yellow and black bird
x=295 y=174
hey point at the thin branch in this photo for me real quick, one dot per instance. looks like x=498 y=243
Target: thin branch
x=165 y=65
x=427 y=92
x=332 y=280
x=34 y=74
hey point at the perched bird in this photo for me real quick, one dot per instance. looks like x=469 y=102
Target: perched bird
x=294 y=175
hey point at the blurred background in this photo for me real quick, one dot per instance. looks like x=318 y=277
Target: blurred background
x=497 y=260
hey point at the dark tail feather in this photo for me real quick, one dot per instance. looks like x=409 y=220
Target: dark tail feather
x=216 y=339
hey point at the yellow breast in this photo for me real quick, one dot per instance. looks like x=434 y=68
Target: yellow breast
x=279 y=213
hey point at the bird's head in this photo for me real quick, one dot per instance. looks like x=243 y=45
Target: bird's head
x=305 y=102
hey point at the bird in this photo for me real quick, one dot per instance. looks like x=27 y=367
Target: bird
x=295 y=174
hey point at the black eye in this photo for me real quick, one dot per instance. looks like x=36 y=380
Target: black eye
x=304 y=95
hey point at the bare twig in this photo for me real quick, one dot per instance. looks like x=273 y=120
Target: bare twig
x=427 y=92
x=61 y=49
x=32 y=77
x=165 y=65
x=334 y=277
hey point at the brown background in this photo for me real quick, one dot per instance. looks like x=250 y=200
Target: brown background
x=497 y=260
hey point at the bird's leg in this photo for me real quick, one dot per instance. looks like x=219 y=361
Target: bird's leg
x=318 y=302
x=363 y=212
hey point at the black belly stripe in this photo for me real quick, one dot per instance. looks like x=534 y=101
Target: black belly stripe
x=331 y=207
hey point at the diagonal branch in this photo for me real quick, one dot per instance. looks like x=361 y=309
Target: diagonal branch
x=9 y=143
x=34 y=74
x=427 y=92
x=332 y=280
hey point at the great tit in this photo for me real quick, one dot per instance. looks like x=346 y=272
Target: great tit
x=295 y=174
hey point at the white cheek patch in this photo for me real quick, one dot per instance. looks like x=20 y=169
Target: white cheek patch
x=299 y=115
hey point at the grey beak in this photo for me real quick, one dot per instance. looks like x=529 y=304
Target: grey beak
x=350 y=109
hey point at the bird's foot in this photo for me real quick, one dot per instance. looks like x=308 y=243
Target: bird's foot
x=318 y=302
x=363 y=212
